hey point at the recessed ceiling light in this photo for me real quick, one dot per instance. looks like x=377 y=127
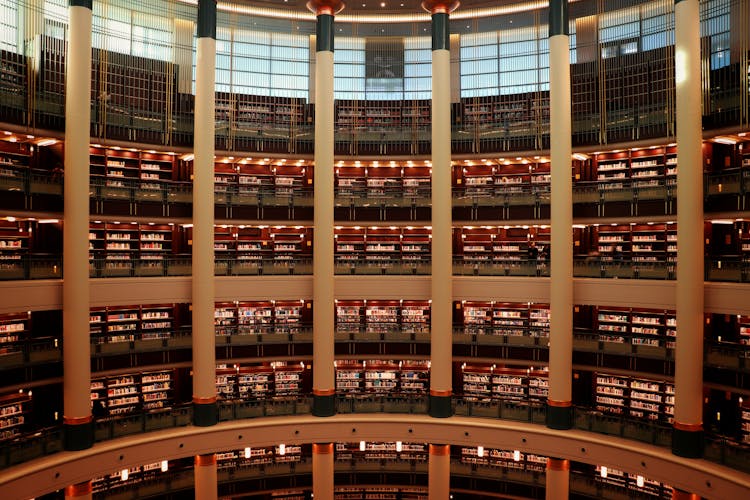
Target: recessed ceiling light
x=382 y=4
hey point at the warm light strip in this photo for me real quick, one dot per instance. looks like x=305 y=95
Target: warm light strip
x=415 y=17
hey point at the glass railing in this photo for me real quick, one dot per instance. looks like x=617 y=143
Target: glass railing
x=734 y=185
x=718 y=449
x=724 y=355
x=40 y=266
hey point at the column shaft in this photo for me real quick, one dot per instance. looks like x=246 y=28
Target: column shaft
x=558 y=479
x=80 y=491
x=441 y=336
x=204 y=340
x=206 y=480
x=77 y=351
x=323 y=470
x=323 y=292
x=559 y=414
x=439 y=471
x=688 y=410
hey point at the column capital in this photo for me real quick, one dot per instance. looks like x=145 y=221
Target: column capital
x=440 y=6
x=330 y=7
x=78 y=490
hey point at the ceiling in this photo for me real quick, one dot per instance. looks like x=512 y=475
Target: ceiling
x=354 y=7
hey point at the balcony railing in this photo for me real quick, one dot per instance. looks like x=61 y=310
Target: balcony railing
x=731 y=187
x=717 y=448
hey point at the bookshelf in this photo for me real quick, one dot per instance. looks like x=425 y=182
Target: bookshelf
x=477 y=317
x=15 y=158
x=225 y=318
x=114 y=324
x=383 y=181
x=121 y=248
x=116 y=395
x=415 y=245
x=381 y=316
x=289 y=243
x=612 y=324
x=415 y=316
x=226 y=382
x=647 y=166
x=416 y=181
x=745 y=421
x=381 y=377
x=477 y=383
x=254 y=245
x=612 y=169
x=349 y=376
x=638 y=326
x=415 y=376
x=509 y=384
x=510 y=318
x=14 y=328
x=255 y=382
x=14 y=409
x=539 y=320
x=252 y=179
x=287 y=379
x=511 y=178
x=289 y=314
x=288 y=179
x=349 y=315
x=350 y=180
x=476 y=245
x=155 y=245
x=635 y=397
x=15 y=239
x=122 y=323
x=255 y=317
x=382 y=245
x=350 y=245
x=613 y=242
x=157 y=389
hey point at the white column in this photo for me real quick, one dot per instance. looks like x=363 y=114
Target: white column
x=205 y=477
x=558 y=479
x=204 y=340
x=324 y=384
x=323 y=470
x=439 y=472
x=77 y=351
x=561 y=238
x=441 y=324
x=80 y=491
x=688 y=408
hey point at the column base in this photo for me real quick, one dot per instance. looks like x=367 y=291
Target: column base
x=78 y=436
x=559 y=417
x=205 y=414
x=441 y=406
x=324 y=405
x=687 y=443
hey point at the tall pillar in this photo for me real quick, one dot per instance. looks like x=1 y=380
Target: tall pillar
x=439 y=472
x=79 y=491
x=324 y=384
x=558 y=479
x=322 y=470
x=684 y=495
x=77 y=420
x=206 y=480
x=204 y=339
x=559 y=406
x=441 y=331
x=687 y=437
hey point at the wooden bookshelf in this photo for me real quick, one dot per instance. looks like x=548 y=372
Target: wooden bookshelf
x=14 y=409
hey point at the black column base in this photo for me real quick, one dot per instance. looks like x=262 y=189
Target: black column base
x=441 y=406
x=559 y=417
x=688 y=444
x=205 y=414
x=324 y=405
x=77 y=437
